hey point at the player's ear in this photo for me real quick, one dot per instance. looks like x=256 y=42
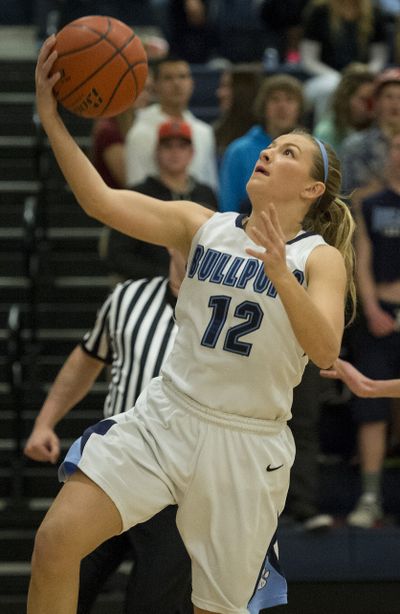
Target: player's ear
x=314 y=190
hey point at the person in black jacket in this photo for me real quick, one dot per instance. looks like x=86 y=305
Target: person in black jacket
x=284 y=18
x=134 y=259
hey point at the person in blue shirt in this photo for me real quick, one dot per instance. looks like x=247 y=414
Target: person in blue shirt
x=278 y=108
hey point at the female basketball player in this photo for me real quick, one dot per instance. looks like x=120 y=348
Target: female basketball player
x=261 y=295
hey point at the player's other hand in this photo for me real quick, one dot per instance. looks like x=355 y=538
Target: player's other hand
x=267 y=233
x=43 y=445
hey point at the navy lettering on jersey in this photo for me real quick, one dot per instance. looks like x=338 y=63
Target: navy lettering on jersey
x=230 y=277
x=249 y=271
x=208 y=263
x=198 y=253
x=233 y=271
x=218 y=272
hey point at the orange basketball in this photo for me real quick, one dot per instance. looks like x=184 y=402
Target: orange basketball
x=103 y=66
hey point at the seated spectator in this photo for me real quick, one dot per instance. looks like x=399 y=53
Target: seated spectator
x=364 y=152
x=240 y=34
x=108 y=138
x=350 y=108
x=285 y=18
x=391 y=13
x=173 y=85
x=376 y=340
x=190 y=33
x=130 y=258
x=337 y=33
x=278 y=109
x=237 y=91
x=224 y=89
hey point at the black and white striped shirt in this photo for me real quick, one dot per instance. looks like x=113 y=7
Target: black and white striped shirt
x=134 y=332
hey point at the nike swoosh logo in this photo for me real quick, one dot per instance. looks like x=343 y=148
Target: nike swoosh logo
x=269 y=468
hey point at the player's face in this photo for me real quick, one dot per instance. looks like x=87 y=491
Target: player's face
x=282 y=112
x=174 y=84
x=174 y=155
x=283 y=170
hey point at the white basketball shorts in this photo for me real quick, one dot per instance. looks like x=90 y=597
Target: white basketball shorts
x=228 y=474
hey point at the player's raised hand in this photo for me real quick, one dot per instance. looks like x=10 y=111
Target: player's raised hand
x=46 y=102
x=267 y=233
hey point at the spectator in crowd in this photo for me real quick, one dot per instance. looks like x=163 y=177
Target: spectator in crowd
x=133 y=333
x=278 y=109
x=391 y=13
x=224 y=89
x=173 y=84
x=134 y=259
x=364 y=152
x=285 y=18
x=337 y=33
x=237 y=91
x=239 y=30
x=351 y=107
x=108 y=139
x=376 y=340
x=190 y=33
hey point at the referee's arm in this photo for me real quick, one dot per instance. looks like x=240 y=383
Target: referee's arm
x=73 y=382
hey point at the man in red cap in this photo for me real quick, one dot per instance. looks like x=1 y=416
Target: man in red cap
x=173 y=87
x=133 y=259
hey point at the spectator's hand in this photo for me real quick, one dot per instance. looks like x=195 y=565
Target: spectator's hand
x=379 y=322
x=358 y=383
x=43 y=445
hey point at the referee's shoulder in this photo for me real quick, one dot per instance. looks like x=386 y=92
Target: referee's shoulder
x=135 y=284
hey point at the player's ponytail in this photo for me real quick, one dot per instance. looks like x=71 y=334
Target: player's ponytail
x=330 y=217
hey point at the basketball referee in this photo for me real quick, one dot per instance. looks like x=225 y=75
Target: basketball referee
x=134 y=332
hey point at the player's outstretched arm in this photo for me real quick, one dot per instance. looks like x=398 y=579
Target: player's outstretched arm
x=359 y=384
x=71 y=385
x=172 y=224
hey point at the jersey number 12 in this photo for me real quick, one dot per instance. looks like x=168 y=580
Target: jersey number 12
x=248 y=311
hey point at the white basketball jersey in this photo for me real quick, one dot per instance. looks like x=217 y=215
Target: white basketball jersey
x=235 y=350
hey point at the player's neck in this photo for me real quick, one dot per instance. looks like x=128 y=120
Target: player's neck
x=290 y=228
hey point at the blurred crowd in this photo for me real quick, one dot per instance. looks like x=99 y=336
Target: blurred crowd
x=329 y=66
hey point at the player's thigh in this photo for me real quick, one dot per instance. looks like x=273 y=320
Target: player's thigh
x=81 y=517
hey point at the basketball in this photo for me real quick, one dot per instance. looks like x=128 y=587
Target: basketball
x=103 y=66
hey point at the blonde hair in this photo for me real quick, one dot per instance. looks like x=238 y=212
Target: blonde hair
x=330 y=217
x=364 y=20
